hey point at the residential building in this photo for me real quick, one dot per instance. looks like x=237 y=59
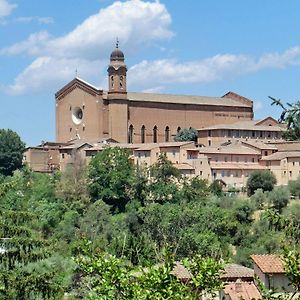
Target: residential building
x=266 y=130
x=270 y=270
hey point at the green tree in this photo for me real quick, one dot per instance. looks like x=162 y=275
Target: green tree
x=163 y=170
x=22 y=251
x=186 y=134
x=11 y=151
x=163 y=186
x=260 y=179
x=216 y=188
x=111 y=177
x=290 y=115
x=294 y=187
x=279 y=197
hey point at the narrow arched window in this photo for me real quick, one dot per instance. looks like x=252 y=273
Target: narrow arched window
x=112 y=81
x=143 y=130
x=178 y=129
x=130 y=134
x=155 y=134
x=167 y=134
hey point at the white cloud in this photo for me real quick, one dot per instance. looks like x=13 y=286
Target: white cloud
x=150 y=74
x=6 y=8
x=40 y=20
x=31 y=45
x=137 y=24
x=47 y=72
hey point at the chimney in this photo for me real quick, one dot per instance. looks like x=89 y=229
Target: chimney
x=238 y=286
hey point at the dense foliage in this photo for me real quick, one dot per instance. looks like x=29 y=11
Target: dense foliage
x=11 y=151
x=260 y=179
x=113 y=219
x=186 y=134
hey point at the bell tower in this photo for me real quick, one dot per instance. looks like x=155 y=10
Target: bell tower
x=117 y=96
x=117 y=71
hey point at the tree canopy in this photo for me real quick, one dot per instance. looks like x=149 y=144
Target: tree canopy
x=260 y=179
x=111 y=177
x=186 y=134
x=11 y=151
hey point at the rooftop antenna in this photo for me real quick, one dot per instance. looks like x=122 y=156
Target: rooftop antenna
x=76 y=73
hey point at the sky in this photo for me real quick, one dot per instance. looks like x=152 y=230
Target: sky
x=193 y=47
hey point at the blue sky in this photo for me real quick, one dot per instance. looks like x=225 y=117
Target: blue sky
x=251 y=47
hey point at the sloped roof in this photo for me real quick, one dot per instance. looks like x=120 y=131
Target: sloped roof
x=141 y=146
x=183 y=166
x=287 y=145
x=282 y=155
x=242 y=290
x=259 y=145
x=80 y=83
x=235 y=166
x=230 y=149
x=230 y=99
x=237 y=271
x=181 y=272
x=246 y=125
x=269 y=263
x=185 y=99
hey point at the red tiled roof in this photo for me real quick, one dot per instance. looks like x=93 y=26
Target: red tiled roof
x=269 y=263
x=242 y=290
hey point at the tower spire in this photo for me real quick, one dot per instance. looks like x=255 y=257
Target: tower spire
x=117 y=43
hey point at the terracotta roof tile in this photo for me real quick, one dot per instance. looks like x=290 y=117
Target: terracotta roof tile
x=242 y=290
x=269 y=263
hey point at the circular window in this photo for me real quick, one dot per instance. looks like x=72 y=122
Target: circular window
x=77 y=115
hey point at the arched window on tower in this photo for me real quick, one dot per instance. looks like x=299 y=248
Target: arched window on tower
x=167 y=134
x=121 y=82
x=130 y=134
x=155 y=134
x=143 y=130
x=112 y=81
x=178 y=129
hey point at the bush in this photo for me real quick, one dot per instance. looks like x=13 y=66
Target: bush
x=259 y=198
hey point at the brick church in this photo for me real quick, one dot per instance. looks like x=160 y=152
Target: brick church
x=86 y=112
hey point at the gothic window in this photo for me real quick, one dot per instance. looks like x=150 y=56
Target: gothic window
x=167 y=134
x=143 y=134
x=155 y=134
x=130 y=134
x=178 y=129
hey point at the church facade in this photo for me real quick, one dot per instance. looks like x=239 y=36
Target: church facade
x=86 y=112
